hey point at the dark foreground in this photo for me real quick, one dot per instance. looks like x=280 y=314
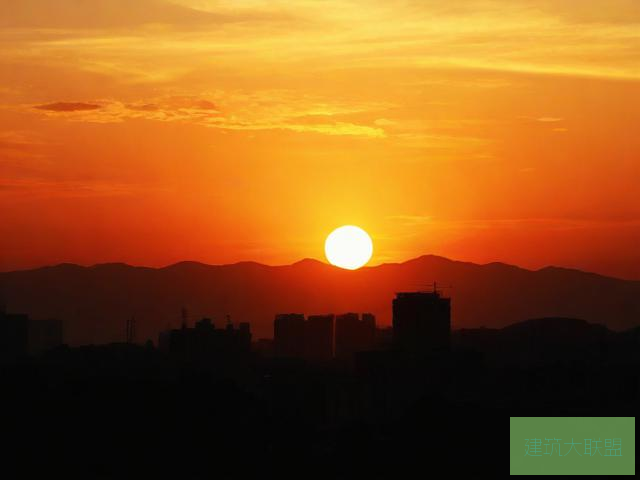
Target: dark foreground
x=124 y=411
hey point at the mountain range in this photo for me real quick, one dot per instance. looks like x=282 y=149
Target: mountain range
x=95 y=302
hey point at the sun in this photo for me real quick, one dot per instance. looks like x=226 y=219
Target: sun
x=348 y=247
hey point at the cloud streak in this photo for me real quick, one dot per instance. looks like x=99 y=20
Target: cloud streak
x=529 y=36
x=120 y=14
x=269 y=110
x=67 y=107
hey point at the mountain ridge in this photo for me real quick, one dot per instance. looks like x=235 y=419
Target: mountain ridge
x=311 y=260
x=95 y=301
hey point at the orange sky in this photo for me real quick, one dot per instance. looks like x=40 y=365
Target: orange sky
x=151 y=132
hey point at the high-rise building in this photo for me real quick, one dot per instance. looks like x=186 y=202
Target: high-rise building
x=319 y=337
x=289 y=335
x=313 y=338
x=204 y=342
x=368 y=331
x=347 y=335
x=14 y=336
x=421 y=322
x=353 y=334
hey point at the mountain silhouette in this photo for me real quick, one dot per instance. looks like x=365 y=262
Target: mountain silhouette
x=95 y=302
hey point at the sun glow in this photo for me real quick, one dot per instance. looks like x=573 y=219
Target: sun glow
x=348 y=247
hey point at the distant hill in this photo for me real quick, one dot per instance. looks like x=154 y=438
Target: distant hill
x=95 y=301
x=543 y=340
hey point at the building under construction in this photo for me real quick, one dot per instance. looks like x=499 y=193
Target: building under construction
x=421 y=322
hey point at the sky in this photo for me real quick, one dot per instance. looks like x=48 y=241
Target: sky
x=152 y=132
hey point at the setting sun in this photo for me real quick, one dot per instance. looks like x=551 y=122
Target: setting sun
x=348 y=247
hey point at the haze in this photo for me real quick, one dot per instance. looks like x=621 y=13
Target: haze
x=151 y=132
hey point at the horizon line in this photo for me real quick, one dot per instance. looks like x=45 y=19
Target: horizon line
x=324 y=263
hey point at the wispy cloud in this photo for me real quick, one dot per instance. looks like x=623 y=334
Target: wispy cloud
x=524 y=223
x=267 y=110
x=120 y=14
x=549 y=119
x=528 y=36
x=411 y=220
x=542 y=119
x=67 y=107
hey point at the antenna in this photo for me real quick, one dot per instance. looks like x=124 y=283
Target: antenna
x=131 y=330
x=434 y=287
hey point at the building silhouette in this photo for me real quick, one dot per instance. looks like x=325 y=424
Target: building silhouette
x=14 y=336
x=319 y=337
x=353 y=334
x=21 y=335
x=204 y=342
x=289 y=335
x=421 y=322
x=383 y=338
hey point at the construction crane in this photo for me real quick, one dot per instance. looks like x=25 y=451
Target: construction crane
x=435 y=288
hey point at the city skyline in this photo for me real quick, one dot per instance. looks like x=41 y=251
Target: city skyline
x=318 y=238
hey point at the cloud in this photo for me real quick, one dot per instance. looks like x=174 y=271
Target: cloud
x=205 y=105
x=161 y=41
x=336 y=128
x=147 y=107
x=115 y=14
x=555 y=223
x=427 y=140
x=615 y=12
x=543 y=119
x=411 y=220
x=549 y=119
x=262 y=110
x=68 y=107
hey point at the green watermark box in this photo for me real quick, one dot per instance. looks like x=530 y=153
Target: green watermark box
x=572 y=446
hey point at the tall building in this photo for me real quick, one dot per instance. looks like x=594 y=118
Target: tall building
x=319 y=337
x=353 y=334
x=14 y=336
x=347 y=335
x=313 y=338
x=21 y=335
x=289 y=335
x=204 y=342
x=421 y=322
x=368 y=331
